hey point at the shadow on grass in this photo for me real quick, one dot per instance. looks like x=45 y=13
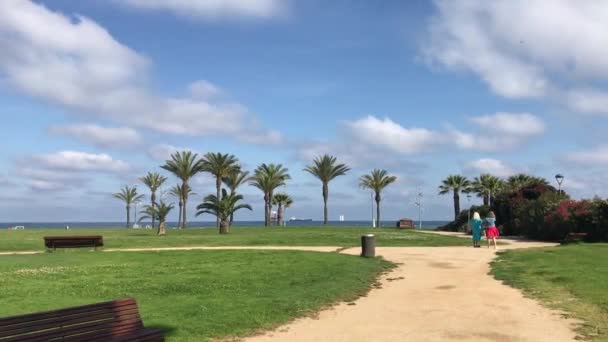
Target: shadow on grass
x=168 y=330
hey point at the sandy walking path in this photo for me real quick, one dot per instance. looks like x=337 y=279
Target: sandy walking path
x=436 y=294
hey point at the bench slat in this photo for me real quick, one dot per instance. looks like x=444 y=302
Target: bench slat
x=102 y=322
x=116 y=305
x=99 y=316
x=113 y=329
x=73 y=241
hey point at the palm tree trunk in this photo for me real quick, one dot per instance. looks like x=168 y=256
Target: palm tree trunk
x=184 y=219
x=378 y=210
x=153 y=200
x=231 y=215
x=280 y=215
x=128 y=216
x=325 y=196
x=486 y=199
x=181 y=211
x=224 y=227
x=456 y=205
x=161 y=229
x=266 y=214
x=218 y=188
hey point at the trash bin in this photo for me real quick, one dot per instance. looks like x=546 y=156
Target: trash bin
x=368 y=246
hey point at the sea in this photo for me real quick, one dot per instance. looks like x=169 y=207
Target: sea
x=430 y=225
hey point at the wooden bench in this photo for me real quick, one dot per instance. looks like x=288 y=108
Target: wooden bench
x=573 y=237
x=55 y=242
x=117 y=320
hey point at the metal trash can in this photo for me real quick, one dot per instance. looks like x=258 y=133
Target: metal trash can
x=368 y=246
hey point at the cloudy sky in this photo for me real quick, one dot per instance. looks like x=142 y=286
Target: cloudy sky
x=93 y=94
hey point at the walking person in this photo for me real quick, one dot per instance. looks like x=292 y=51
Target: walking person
x=491 y=230
x=476 y=228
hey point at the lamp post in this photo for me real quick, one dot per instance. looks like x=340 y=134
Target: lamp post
x=135 y=213
x=469 y=201
x=418 y=203
x=560 y=179
x=371 y=196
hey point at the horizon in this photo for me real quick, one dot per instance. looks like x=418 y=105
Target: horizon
x=96 y=94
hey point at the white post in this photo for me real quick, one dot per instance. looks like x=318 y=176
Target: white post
x=372 y=205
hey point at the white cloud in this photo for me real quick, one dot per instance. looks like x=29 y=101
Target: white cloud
x=77 y=64
x=594 y=157
x=498 y=132
x=492 y=166
x=521 y=48
x=516 y=124
x=204 y=89
x=388 y=134
x=162 y=152
x=100 y=136
x=588 y=100
x=212 y=8
x=80 y=161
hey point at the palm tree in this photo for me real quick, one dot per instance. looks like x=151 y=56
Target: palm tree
x=159 y=212
x=184 y=165
x=178 y=192
x=233 y=181
x=268 y=177
x=516 y=182
x=222 y=208
x=456 y=184
x=377 y=180
x=326 y=168
x=129 y=196
x=281 y=200
x=153 y=180
x=220 y=166
x=486 y=186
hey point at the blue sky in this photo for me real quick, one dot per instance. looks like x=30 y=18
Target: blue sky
x=96 y=93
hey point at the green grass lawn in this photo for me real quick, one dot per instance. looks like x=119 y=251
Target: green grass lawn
x=31 y=240
x=572 y=278
x=194 y=295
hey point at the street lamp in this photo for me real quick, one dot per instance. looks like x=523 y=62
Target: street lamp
x=469 y=201
x=372 y=206
x=560 y=179
x=135 y=224
x=418 y=203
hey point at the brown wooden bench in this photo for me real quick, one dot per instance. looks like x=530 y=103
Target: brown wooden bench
x=109 y=321
x=573 y=237
x=55 y=242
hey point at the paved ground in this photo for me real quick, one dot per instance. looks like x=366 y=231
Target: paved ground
x=436 y=294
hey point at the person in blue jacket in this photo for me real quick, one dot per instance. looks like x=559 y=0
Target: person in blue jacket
x=476 y=229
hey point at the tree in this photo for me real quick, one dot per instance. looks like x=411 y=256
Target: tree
x=179 y=192
x=487 y=186
x=153 y=180
x=326 y=168
x=129 y=196
x=184 y=165
x=222 y=208
x=281 y=200
x=267 y=178
x=456 y=184
x=159 y=213
x=376 y=181
x=519 y=181
x=233 y=181
x=220 y=166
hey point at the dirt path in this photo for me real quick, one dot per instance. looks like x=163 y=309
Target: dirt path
x=437 y=294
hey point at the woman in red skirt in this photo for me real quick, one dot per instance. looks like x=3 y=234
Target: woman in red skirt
x=491 y=230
